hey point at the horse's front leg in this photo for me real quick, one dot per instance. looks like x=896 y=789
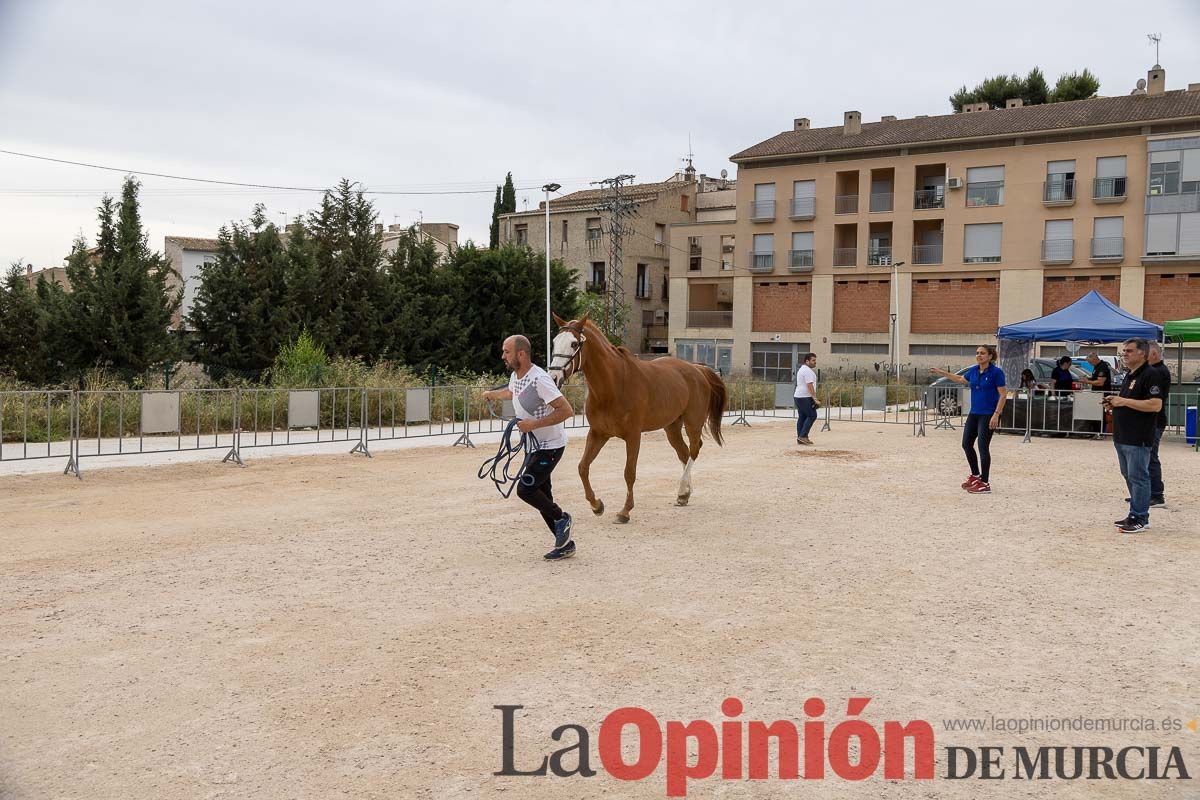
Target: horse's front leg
x=595 y=441
x=632 y=445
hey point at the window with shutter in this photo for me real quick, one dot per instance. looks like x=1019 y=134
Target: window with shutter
x=981 y=243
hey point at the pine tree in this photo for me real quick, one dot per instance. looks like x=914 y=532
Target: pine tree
x=239 y=317
x=502 y=292
x=217 y=311
x=120 y=294
x=423 y=320
x=30 y=342
x=1032 y=89
x=348 y=256
x=494 y=231
x=1075 y=86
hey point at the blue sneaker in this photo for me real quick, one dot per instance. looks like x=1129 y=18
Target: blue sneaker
x=558 y=554
x=562 y=531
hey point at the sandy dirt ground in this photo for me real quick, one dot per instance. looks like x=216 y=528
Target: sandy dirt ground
x=328 y=626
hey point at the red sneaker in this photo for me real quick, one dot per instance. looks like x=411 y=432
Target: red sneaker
x=969 y=482
x=979 y=487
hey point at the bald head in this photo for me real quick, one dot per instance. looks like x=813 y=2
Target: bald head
x=517 y=353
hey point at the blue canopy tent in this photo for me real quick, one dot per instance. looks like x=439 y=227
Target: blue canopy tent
x=1091 y=318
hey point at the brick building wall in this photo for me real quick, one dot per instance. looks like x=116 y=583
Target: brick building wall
x=1060 y=292
x=1172 y=296
x=861 y=306
x=955 y=305
x=782 y=307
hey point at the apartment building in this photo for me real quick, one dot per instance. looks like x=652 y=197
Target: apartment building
x=580 y=237
x=926 y=234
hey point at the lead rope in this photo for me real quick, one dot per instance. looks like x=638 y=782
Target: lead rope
x=499 y=468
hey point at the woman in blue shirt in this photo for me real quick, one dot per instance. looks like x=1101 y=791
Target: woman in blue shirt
x=987 y=401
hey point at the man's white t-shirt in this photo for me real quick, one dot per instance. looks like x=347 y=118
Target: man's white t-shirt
x=532 y=396
x=805 y=376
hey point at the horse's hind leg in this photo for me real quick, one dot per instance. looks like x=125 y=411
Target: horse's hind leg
x=595 y=441
x=674 y=433
x=632 y=446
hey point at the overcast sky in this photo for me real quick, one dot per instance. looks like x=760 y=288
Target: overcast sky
x=450 y=96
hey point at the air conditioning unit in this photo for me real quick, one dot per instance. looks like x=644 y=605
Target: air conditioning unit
x=660 y=316
x=954 y=183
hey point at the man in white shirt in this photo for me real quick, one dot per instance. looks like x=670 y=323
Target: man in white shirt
x=806 y=398
x=541 y=410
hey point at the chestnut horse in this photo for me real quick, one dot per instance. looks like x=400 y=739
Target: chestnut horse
x=628 y=397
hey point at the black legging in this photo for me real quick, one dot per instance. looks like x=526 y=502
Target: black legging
x=538 y=492
x=977 y=428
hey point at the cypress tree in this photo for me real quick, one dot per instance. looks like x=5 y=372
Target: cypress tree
x=508 y=203
x=494 y=231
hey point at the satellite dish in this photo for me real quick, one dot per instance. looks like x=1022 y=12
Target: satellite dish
x=1141 y=83
x=725 y=172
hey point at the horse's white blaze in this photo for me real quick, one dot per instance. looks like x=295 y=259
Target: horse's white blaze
x=563 y=347
x=685 y=483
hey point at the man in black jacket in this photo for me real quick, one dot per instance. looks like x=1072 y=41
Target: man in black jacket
x=1135 y=420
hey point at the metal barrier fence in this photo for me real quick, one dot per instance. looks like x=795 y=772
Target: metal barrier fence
x=1041 y=412
x=78 y=425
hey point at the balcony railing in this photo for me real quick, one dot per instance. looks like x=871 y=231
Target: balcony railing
x=881 y=201
x=694 y=250
x=880 y=256
x=800 y=260
x=927 y=254
x=803 y=208
x=1058 y=251
x=762 y=210
x=710 y=319
x=762 y=262
x=929 y=198
x=1108 y=190
x=1108 y=248
x=1182 y=203
x=845 y=204
x=986 y=193
x=845 y=256
x=593 y=233
x=1058 y=192
x=596 y=287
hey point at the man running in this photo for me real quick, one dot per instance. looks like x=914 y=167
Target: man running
x=541 y=410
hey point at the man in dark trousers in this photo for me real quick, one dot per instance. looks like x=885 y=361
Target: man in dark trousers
x=1135 y=419
x=541 y=410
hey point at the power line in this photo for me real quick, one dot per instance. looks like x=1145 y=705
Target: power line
x=241 y=184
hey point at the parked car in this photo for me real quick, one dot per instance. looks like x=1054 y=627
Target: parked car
x=946 y=396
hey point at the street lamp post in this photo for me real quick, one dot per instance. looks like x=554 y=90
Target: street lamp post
x=548 y=188
x=895 y=314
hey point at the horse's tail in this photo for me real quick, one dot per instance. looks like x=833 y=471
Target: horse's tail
x=718 y=398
